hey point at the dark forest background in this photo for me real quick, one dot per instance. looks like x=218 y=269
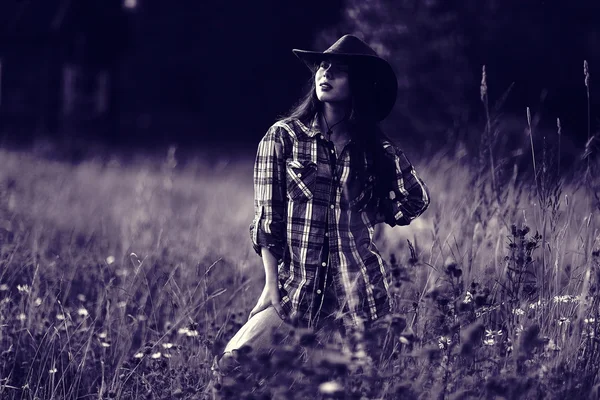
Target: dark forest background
x=202 y=75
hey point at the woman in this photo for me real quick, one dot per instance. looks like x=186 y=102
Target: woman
x=324 y=177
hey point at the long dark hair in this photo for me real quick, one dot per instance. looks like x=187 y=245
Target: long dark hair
x=364 y=129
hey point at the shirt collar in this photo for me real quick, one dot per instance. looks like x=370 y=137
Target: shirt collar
x=312 y=129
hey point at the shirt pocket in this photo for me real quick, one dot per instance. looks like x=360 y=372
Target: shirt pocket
x=301 y=178
x=360 y=195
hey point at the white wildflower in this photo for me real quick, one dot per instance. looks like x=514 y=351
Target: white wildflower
x=489 y=341
x=444 y=342
x=23 y=289
x=138 y=355
x=104 y=344
x=183 y=331
x=21 y=317
x=535 y=305
x=60 y=317
x=4 y=287
x=110 y=260
x=468 y=298
x=519 y=330
x=156 y=355
x=589 y=320
x=37 y=302
x=551 y=345
x=404 y=340
x=53 y=371
x=82 y=312
x=563 y=320
x=565 y=299
x=102 y=335
x=167 y=345
x=330 y=387
x=192 y=333
x=81 y=297
x=518 y=311
x=167 y=355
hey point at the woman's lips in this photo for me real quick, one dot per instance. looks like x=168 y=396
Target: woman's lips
x=325 y=86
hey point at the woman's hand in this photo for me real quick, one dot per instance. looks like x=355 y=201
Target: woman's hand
x=269 y=297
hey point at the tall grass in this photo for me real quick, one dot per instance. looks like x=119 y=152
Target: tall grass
x=124 y=280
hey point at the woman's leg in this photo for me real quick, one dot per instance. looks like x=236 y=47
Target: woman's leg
x=264 y=331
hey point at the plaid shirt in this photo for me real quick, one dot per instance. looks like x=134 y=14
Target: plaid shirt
x=317 y=221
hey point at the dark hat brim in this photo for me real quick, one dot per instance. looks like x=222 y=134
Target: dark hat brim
x=377 y=74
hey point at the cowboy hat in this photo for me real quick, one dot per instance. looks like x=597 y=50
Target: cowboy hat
x=377 y=78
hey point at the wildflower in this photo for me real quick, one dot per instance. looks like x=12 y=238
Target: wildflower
x=82 y=312
x=404 y=340
x=188 y=332
x=360 y=354
x=490 y=337
x=104 y=344
x=156 y=355
x=519 y=330
x=563 y=320
x=138 y=355
x=60 y=317
x=3 y=287
x=589 y=320
x=183 y=331
x=21 y=317
x=167 y=345
x=564 y=299
x=551 y=345
x=518 y=311
x=468 y=298
x=535 y=305
x=81 y=297
x=166 y=355
x=110 y=260
x=330 y=387
x=38 y=302
x=53 y=370
x=102 y=335
x=23 y=289
x=444 y=342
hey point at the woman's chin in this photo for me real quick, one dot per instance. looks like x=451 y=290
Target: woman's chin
x=326 y=98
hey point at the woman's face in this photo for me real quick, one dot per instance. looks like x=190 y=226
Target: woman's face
x=331 y=82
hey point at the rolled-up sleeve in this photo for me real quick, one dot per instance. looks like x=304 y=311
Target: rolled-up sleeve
x=269 y=224
x=408 y=197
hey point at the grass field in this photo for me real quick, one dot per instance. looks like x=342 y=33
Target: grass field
x=122 y=280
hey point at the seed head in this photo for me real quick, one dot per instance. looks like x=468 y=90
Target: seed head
x=483 y=88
